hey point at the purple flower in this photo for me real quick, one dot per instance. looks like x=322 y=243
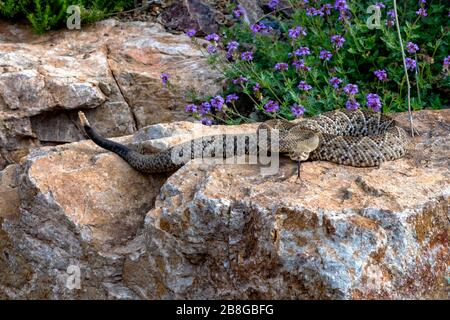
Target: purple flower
x=390 y=23
x=352 y=104
x=206 y=121
x=191 y=33
x=240 y=80
x=374 y=102
x=212 y=37
x=247 y=56
x=391 y=13
x=271 y=106
x=302 y=51
x=337 y=40
x=412 y=47
x=411 y=63
x=381 y=74
x=192 y=108
x=238 y=11
x=300 y=65
x=311 y=11
x=205 y=108
x=341 y=5
x=297 y=110
x=380 y=5
x=304 y=86
x=164 y=78
x=325 y=55
x=297 y=32
x=344 y=15
x=232 y=97
x=232 y=45
x=422 y=12
x=281 y=66
x=447 y=62
x=351 y=89
x=256 y=87
x=326 y=8
x=335 y=82
x=211 y=49
x=273 y=4
x=259 y=28
x=217 y=102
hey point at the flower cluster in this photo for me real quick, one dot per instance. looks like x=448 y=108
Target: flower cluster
x=335 y=82
x=338 y=41
x=304 y=86
x=381 y=75
x=296 y=32
x=300 y=65
x=281 y=66
x=239 y=11
x=390 y=22
x=297 y=110
x=164 y=78
x=446 y=62
x=412 y=47
x=273 y=4
x=259 y=28
x=325 y=55
x=422 y=10
x=411 y=64
x=374 y=102
x=316 y=58
x=191 y=33
x=247 y=56
x=271 y=106
x=302 y=51
x=351 y=90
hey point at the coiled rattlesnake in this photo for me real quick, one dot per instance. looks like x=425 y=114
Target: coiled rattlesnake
x=356 y=138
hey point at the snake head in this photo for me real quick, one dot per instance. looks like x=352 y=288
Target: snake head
x=304 y=142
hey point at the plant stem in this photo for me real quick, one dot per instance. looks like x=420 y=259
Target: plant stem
x=405 y=67
x=417 y=83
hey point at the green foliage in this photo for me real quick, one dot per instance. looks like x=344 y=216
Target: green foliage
x=44 y=15
x=364 y=52
x=9 y=8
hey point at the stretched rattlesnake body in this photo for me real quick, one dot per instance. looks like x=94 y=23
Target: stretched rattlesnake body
x=356 y=138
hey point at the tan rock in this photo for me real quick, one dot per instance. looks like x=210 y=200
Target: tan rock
x=343 y=233
x=9 y=193
x=80 y=207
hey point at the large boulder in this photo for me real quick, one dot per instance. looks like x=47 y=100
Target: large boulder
x=341 y=232
x=79 y=206
x=226 y=231
x=111 y=70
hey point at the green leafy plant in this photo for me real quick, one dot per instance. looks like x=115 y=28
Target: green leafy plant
x=322 y=55
x=44 y=15
x=9 y=8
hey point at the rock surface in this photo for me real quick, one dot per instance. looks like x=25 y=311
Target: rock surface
x=110 y=69
x=226 y=231
x=79 y=206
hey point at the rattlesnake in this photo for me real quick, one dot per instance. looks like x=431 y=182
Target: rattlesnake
x=358 y=138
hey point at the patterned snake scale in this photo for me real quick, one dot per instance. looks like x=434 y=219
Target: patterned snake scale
x=358 y=138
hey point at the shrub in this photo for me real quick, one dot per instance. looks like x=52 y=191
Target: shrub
x=319 y=56
x=44 y=15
